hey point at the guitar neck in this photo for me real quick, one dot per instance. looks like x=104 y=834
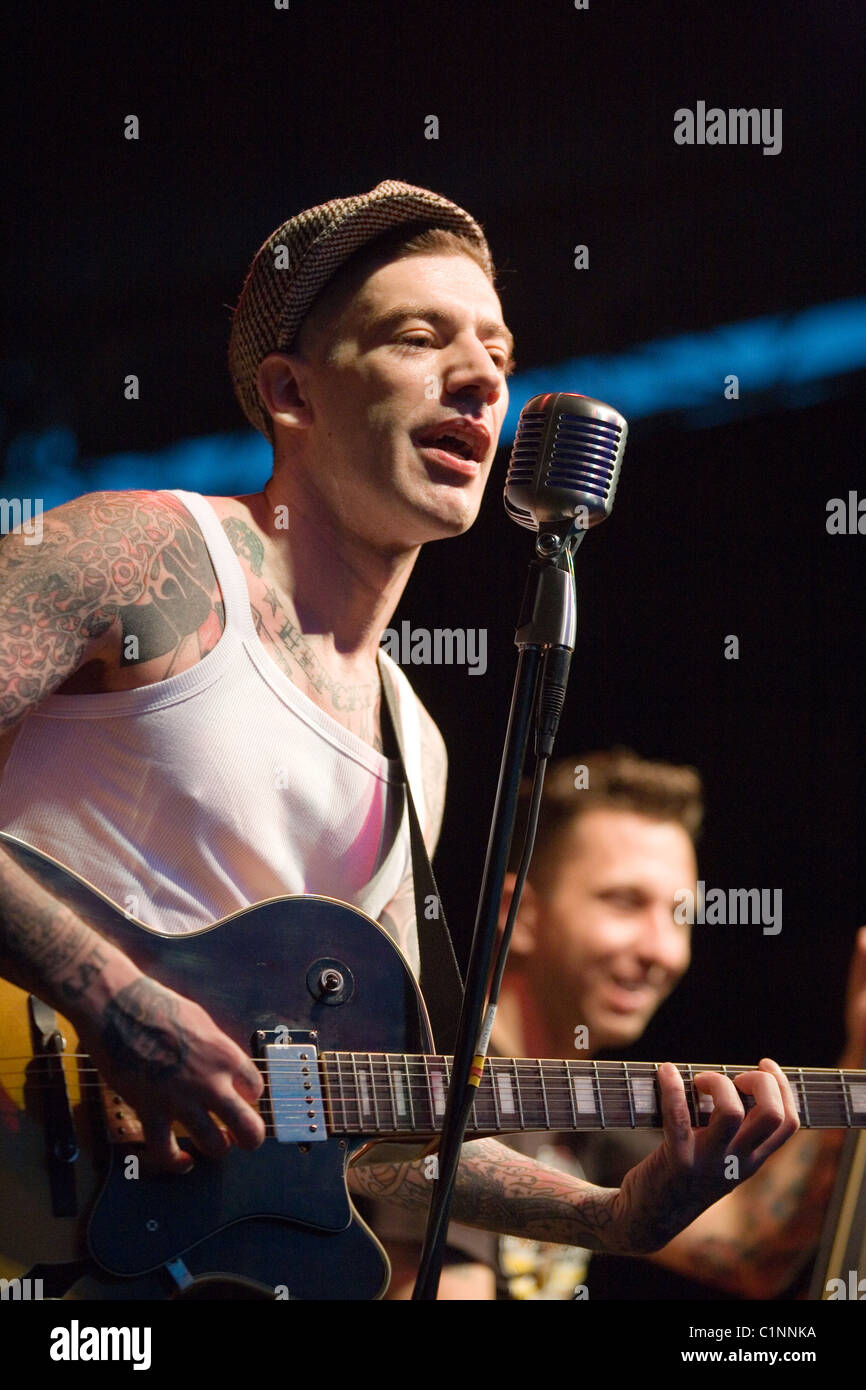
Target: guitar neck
x=403 y=1096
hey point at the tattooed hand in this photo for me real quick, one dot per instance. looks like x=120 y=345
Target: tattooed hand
x=169 y=1061
x=692 y=1168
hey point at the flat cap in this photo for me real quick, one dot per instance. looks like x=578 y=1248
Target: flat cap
x=302 y=255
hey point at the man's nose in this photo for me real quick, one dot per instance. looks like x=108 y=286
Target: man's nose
x=471 y=368
x=662 y=941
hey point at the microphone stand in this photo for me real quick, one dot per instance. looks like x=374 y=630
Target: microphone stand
x=547 y=624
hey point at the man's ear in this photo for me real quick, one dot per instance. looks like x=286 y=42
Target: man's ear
x=279 y=383
x=523 y=938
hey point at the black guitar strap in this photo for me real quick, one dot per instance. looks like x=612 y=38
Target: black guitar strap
x=440 y=975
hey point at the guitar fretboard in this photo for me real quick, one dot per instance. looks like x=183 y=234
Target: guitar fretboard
x=402 y=1096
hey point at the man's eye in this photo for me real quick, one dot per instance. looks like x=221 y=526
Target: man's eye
x=622 y=899
x=417 y=339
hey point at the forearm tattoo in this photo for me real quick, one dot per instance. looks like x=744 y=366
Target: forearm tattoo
x=39 y=937
x=78 y=982
x=141 y=1033
x=500 y=1190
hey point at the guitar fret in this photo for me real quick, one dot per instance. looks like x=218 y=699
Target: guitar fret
x=505 y=1090
x=598 y=1093
x=409 y=1091
x=857 y=1093
x=629 y=1097
x=342 y=1090
x=334 y=1101
x=479 y=1112
x=543 y=1086
x=848 y=1119
x=494 y=1078
x=430 y=1093
x=583 y=1092
x=357 y=1081
x=392 y=1092
x=807 y=1121
x=480 y=1116
x=570 y=1089
x=519 y=1097
x=372 y=1067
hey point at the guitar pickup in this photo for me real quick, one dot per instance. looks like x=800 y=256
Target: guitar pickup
x=294 y=1088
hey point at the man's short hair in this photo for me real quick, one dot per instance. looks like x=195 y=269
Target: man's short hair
x=614 y=780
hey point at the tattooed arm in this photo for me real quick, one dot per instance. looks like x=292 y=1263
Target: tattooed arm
x=162 y=1052
x=757 y=1239
x=500 y=1190
x=110 y=567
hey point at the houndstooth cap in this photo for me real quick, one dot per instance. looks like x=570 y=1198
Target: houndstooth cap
x=299 y=259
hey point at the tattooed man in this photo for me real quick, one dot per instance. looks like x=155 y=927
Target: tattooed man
x=190 y=693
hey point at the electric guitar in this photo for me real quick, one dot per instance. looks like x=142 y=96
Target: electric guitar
x=325 y=1002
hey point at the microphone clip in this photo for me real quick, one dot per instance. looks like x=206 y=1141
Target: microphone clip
x=548 y=613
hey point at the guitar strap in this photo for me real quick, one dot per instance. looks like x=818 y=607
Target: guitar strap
x=440 y=974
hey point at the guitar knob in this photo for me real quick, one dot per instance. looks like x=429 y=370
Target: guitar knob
x=330 y=981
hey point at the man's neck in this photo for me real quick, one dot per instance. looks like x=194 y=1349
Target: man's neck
x=522 y=1029
x=342 y=590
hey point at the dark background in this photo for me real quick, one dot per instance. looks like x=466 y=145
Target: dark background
x=556 y=127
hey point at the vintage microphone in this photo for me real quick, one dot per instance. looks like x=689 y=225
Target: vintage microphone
x=565 y=461
x=561 y=481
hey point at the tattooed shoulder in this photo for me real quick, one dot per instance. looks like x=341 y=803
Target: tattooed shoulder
x=127 y=573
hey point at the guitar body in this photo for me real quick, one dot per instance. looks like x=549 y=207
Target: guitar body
x=280 y=1217
x=324 y=1001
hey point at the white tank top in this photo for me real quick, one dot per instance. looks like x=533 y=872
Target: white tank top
x=219 y=787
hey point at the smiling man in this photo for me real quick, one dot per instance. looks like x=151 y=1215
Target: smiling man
x=207 y=673
x=597 y=948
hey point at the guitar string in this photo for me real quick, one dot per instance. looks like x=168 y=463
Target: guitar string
x=613 y=1108
x=400 y=1061
x=560 y=1073
x=813 y=1083
x=348 y=1115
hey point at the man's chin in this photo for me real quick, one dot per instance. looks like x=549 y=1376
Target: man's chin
x=617 y=1031
x=444 y=522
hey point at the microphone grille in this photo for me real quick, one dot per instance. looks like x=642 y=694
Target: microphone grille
x=567 y=453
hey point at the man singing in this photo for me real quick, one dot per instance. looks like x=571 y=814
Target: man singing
x=190 y=694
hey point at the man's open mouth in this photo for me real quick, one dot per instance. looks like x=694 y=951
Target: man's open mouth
x=461 y=439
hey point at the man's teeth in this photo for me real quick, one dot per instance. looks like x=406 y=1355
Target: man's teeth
x=450 y=445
